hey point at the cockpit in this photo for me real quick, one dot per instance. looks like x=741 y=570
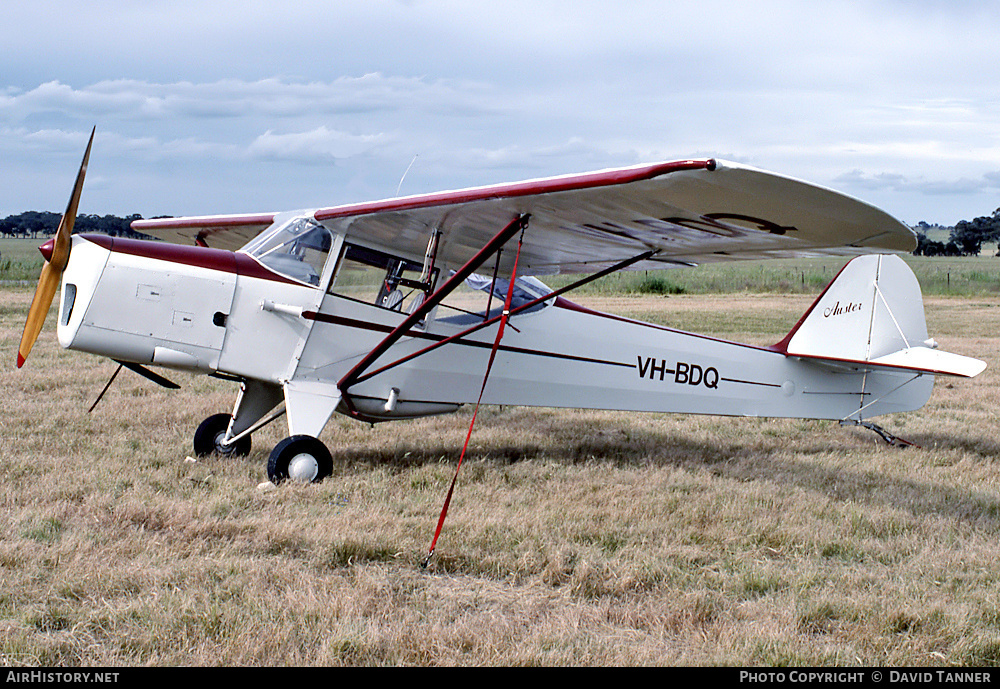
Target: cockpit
x=299 y=248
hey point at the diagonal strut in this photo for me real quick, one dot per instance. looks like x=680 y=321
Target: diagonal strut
x=517 y=224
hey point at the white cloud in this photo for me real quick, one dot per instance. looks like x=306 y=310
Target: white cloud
x=273 y=97
x=897 y=182
x=318 y=145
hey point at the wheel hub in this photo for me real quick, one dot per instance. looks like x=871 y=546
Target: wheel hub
x=220 y=444
x=303 y=467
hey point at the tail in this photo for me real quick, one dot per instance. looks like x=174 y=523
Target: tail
x=871 y=317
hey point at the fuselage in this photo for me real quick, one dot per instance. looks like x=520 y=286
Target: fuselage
x=280 y=316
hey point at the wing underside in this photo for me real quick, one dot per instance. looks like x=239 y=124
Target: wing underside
x=217 y=231
x=688 y=212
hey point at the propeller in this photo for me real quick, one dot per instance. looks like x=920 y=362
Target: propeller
x=56 y=253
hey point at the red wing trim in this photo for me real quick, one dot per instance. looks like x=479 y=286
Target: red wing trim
x=205 y=222
x=549 y=185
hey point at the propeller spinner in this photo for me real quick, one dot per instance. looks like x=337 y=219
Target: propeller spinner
x=56 y=253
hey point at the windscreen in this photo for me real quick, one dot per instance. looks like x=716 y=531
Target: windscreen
x=298 y=249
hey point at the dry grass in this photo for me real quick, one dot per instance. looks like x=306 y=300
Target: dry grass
x=575 y=537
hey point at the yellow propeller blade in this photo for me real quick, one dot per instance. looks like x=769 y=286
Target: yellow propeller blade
x=48 y=281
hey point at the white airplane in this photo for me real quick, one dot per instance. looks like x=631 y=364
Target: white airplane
x=363 y=309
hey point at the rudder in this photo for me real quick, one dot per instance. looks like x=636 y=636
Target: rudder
x=872 y=314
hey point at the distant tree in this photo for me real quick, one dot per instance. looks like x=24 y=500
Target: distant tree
x=970 y=235
x=106 y=224
x=8 y=227
x=927 y=246
x=967 y=243
x=965 y=238
x=36 y=223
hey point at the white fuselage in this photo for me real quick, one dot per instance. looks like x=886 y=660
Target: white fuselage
x=212 y=311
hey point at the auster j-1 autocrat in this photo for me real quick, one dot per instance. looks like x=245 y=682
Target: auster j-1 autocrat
x=370 y=309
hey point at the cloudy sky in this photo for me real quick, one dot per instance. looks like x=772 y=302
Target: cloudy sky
x=225 y=106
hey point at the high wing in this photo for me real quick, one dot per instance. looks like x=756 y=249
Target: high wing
x=228 y=232
x=689 y=212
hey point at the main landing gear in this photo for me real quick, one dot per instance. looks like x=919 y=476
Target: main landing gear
x=209 y=437
x=300 y=458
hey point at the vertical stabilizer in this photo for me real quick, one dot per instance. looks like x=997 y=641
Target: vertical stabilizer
x=873 y=313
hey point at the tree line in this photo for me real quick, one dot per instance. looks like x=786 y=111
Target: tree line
x=44 y=223
x=966 y=238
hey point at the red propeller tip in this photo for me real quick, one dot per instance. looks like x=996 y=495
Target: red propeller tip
x=20 y=360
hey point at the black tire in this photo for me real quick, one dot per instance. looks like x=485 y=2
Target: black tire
x=302 y=458
x=208 y=439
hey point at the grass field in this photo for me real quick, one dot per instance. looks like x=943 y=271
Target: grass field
x=575 y=537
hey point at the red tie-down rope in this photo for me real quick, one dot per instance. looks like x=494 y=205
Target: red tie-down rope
x=493 y=353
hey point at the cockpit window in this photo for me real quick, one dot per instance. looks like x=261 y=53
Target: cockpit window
x=298 y=249
x=526 y=289
x=381 y=279
x=481 y=298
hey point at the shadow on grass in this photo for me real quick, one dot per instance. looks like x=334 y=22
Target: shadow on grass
x=796 y=459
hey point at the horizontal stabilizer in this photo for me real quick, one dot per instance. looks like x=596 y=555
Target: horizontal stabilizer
x=872 y=316
x=916 y=359
x=932 y=361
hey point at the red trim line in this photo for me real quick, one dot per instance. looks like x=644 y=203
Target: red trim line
x=573 y=306
x=440 y=339
x=200 y=257
x=549 y=185
x=782 y=346
x=204 y=221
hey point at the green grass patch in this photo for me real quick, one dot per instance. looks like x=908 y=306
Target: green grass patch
x=943 y=276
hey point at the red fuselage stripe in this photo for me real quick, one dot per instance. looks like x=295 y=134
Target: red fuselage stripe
x=200 y=257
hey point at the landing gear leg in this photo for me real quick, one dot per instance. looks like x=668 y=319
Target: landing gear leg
x=254 y=401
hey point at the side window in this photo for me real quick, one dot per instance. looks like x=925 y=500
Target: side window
x=481 y=297
x=373 y=277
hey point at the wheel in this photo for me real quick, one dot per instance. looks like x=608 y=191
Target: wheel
x=300 y=458
x=210 y=434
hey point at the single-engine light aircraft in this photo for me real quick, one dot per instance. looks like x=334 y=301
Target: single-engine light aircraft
x=371 y=310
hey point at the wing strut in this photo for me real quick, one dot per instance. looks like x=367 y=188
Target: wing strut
x=513 y=312
x=517 y=224
x=489 y=367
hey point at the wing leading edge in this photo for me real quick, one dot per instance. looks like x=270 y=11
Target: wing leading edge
x=689 y=212
x=217 y=231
